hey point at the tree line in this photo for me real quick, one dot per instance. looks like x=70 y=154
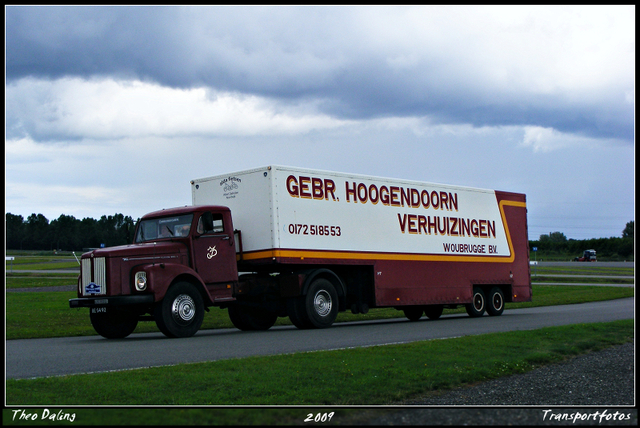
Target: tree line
x=615 y=248
x=67 y=233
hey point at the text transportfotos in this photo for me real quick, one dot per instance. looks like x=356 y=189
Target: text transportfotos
x=598 y=416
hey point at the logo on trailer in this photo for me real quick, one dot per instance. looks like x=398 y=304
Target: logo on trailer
x=230 y=187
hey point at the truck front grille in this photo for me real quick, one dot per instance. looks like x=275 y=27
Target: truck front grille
x=94 y=281
x=86 y=273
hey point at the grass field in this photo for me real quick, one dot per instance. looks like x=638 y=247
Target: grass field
x=318 y=383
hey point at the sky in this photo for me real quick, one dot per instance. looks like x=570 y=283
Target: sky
x=115 y=109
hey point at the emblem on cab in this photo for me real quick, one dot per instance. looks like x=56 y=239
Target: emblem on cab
x=211 y=252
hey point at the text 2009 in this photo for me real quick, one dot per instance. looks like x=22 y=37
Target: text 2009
x=320 y=417
x=314 y=230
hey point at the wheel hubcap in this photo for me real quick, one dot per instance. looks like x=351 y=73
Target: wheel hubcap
x=183 y=309
x=497 y=302
x=478 y=302
x=322 y=303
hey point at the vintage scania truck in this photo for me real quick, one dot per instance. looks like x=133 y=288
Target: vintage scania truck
x=305 y=244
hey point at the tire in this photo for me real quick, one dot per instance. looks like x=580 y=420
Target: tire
x=478 y=305
x=248 y=318
x=116 y=324
x=321 y=303
x=433 y=312
x=413 y=313
x=181 y=312
x=495 y=304
x=297 y=312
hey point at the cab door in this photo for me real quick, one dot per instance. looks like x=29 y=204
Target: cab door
x=214 y=251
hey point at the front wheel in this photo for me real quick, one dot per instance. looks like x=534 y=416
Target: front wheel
x=181 y=312
x=116 y=324
x=478 y=305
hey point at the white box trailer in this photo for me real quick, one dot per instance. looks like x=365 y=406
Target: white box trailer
x=294 y=211
x=421 y=243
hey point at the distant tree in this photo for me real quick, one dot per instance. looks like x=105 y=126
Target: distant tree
x=116 y=229
x=64 y=232
x=14 y=226
x=553 y=237
x=37 y=232
x=628 y=230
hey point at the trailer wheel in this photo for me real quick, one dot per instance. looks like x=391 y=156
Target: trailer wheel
x=116 y=324
x=478 y=305
x=496 y=302
x=321 y=303
x=181 y=312
x=246 y=318
x=414 y=313
x=433 y=312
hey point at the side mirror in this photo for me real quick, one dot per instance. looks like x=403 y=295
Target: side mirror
x=207 y=222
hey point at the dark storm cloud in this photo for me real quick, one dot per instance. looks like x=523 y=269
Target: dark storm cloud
x=292 y=54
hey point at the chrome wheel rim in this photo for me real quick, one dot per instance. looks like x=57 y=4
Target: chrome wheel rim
x=322 y=303
x=183 y=309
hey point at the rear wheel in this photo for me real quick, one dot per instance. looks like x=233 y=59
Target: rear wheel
x=116 y=324
x=496 y=302
x=297 y=312
x=433 y=312
x=321 y=303
x=249 y=318
x=181 y=312
x=413 y=313
x=478 y=305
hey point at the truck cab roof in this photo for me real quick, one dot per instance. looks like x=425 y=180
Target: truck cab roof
x=187 y=209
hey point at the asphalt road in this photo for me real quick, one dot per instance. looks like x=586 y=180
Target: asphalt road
x=28 y=358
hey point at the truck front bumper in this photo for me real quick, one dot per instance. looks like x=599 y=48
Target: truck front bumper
x=89 y=302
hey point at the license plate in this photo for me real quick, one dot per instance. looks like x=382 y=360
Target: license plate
x=100 y=310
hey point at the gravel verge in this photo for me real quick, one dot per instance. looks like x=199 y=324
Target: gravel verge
x=550 y=395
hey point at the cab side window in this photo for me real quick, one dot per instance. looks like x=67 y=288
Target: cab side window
x=210 y=223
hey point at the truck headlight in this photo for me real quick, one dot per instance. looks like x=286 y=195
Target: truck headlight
x=141 y=281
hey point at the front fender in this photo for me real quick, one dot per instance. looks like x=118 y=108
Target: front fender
x=161 y=276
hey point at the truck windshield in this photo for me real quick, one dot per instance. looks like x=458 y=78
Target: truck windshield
x=164 y=227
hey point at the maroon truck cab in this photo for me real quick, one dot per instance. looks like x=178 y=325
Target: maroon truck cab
x=182 y=260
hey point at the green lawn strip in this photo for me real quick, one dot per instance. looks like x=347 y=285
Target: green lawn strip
x=551 y=295
x=580 y=280
x=21 y=260
x=49 y=314
x=581 y=270
x=42 y=266
x=363 y=376
x=33 y=281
